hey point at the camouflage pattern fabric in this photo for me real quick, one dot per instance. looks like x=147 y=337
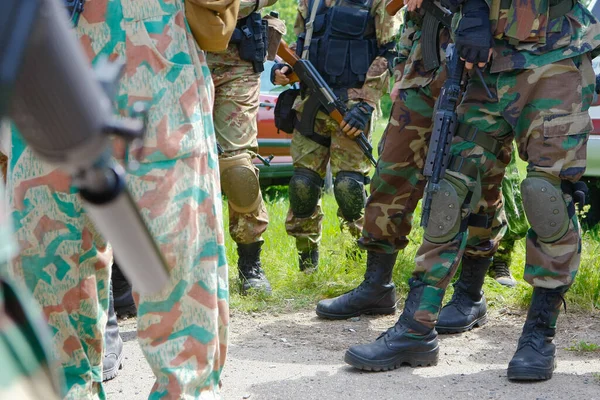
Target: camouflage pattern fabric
x=535 y=40
x=550 y=124
x=182 y=330
x=513 y=202
x=237 y=90
x=28 y=370
x=343 y=154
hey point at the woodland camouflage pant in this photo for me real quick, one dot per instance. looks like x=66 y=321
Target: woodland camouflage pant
x=550 y=123
x=344 y=155
x=182 y=330
x=237 y=90
x=398 y=182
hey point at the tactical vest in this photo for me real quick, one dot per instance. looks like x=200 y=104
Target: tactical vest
x=344 y=42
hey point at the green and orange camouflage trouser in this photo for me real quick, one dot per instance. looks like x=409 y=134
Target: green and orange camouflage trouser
x=182 y=330
x=344 y=155
x=28 y=370
x=550 y=123
x=237 y=90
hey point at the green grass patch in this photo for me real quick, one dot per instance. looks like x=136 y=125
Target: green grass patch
x=583 y=346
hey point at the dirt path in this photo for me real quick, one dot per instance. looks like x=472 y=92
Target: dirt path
x=297 y=356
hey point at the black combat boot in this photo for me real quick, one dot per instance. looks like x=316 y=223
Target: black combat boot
x=123 y=298
x=250 y=270
x=467 y=308
x=113 y=344
x=534 y=358
x=407 y=342
x=375 y=295
x=308 y=261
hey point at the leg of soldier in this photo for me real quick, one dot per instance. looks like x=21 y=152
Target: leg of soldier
x=182 y=330
x=517 y=224
x=305 y=216
x=552 y=138
x=396 y=188
x=487 y=226
x=28 y=371
x=413 y=339
x=237 y=89
x=65 y=263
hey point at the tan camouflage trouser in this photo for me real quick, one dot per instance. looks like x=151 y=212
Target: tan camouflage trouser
x=550 y=123
x=182 y=330
x=237 y=89
x=344 y=155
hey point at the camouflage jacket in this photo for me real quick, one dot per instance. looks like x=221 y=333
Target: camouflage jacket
x=526 y=38
x=410 y=72
x=378 y=75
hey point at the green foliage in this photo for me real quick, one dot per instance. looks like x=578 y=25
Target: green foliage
x=287 y=9
x=583 y=346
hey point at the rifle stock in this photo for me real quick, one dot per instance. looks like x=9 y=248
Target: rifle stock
x=394 y=6
x=307 y=74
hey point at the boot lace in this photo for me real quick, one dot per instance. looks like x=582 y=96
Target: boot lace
x=500 y=269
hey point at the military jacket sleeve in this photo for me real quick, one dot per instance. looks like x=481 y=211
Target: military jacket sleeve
x=248 y=6
x=378 y=75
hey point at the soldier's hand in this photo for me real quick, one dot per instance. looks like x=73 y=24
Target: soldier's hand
x=356 y=120
x=473 y=38
x=279 y=74
x=412 y=5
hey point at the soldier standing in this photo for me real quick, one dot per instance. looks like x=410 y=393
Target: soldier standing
x=182 y=330
x=236 y=75
x=351 y=47
x=550 y=122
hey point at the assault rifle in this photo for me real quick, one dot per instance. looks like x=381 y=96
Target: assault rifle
x=444 y=127
x=321 y=94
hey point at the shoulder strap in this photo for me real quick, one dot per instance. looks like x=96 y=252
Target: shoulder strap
x=310 y=27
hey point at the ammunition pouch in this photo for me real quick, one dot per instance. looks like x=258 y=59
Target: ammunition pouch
x=251 y=38
x=285 y=115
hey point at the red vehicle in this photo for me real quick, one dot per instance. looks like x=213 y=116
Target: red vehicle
x=271 y=143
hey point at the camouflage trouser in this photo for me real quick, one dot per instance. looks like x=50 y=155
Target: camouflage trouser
x=550 y=124
x=182 y=330
x=237 y=89
x=27 y=369
x=398 y=182
x=343 y=155
x=513 y=202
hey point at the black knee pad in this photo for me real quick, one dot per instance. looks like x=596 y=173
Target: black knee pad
x=305 y=191
x=349 y=191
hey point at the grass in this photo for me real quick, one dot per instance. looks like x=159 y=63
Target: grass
x=584 y=347
x=341 y=268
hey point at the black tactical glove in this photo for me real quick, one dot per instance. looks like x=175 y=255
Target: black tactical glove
x=278 y=66
x=474 y=32
x=358 y=117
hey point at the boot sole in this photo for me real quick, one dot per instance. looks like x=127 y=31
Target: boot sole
x=420 y=359
x=371 y=311
x=112 y=373
x=459 y=329
x=529 y=374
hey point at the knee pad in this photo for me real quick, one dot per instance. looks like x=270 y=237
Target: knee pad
x=545 y=206
x=239 y=181
x=305 y=191
x=445 y=220
x=349 y=191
